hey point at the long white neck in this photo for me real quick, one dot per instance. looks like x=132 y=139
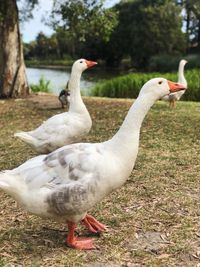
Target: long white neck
x=126 y=140
x=76 y=102
x=181 y=77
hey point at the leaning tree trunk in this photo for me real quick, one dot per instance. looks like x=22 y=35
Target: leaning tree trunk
x=13 y=81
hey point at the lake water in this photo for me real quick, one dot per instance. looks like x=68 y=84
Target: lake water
x=58 y=79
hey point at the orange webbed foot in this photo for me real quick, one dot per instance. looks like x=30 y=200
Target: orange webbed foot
x=93 y=225
x=78 y=242
x=82 y=243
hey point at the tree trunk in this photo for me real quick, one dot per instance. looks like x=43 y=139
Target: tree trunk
x=188 y=15
x=198 y=34
x=13 y=81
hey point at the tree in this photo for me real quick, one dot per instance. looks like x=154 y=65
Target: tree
x=63 y=44
x=13 y=81
x=148 y=28
x=84 y=22
x=192 y=18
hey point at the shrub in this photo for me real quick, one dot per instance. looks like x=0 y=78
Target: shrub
x=166 y=63
x=49 y=62
x=43 y=86
x=128 y=86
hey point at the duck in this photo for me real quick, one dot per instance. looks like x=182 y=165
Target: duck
x=65 y=184
x=64 y=97
x=67 y=127
x=172 y=98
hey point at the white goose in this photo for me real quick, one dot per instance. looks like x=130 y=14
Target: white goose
x=65 y=128
x=68 y=182
x=172 y=98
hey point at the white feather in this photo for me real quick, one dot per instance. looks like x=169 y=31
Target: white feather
x=65 y=128
x=181 y=79
x=69 y=181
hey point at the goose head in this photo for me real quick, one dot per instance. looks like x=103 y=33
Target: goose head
x=82 y=64
x=159 y=87
x=183 y=62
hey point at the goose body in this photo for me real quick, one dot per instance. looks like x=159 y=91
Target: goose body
x=68 y=182
x=67 y=127
x=172 y=98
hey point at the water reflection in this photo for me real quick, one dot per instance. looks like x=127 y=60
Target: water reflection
x=58 y=79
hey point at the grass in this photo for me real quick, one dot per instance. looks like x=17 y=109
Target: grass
x=153 y=220
x=129 y=85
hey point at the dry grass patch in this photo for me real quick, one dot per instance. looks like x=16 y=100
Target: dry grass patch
x=153 y=220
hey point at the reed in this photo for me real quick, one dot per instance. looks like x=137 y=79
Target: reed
x=128 y=86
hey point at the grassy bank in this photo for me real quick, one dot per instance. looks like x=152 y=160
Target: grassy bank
x=128 y=86
x=153 y=220
x=52 y=63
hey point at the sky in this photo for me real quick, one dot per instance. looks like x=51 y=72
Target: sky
x=31 y=28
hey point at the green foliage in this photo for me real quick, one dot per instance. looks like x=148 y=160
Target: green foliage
x=145 y=31
x=192 y=19
x=164 y=63
x=50 y=62
x=43 y=47
x=128 y=86
x=43 y=86
x=167 y=63
x=83 y=21
x=148 y=28
x=26 y=9
x=193 y=79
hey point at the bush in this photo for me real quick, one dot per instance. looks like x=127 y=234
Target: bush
x=43 y=86
x=49 y=62
x=193 y=79
x=166 y=63
x=128 y=86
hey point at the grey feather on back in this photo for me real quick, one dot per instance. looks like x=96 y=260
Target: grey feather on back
x=60 y=157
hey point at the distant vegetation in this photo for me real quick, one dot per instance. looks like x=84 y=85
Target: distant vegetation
x=143 y=35
x=49 y=62
x=167 y=63
x=42 y=86
x=128 y=86
x=111 y=35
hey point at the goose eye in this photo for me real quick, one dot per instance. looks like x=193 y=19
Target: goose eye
x=81 y=61
x=160 y=82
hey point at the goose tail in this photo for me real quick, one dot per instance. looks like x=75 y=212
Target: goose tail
x=27 y=138
x=4 y=179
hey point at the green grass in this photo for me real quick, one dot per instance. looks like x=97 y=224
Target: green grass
x=161 y=197
x=128 y=86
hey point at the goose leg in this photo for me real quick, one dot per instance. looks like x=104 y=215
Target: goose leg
x=93 y=225
x=172 y=103
x=76 y=242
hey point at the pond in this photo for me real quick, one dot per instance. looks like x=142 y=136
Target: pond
x=58 y=78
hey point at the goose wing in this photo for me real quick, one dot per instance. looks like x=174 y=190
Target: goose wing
x=77 y=163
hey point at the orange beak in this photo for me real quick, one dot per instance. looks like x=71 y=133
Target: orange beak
x=175 y=87
x=90 y=63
